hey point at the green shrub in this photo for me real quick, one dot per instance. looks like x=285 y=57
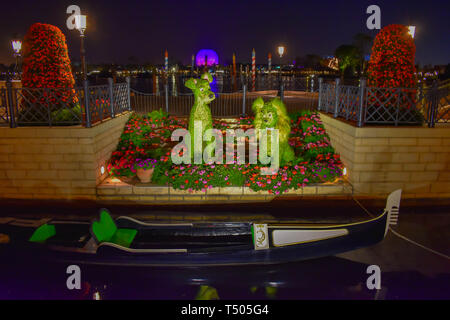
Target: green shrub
x=72 y=115
x=157 y=114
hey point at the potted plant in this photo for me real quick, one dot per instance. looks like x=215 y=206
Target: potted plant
x=144 y=169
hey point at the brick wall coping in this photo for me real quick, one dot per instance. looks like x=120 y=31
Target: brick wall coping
x=77 y=131
x=148 y=193
x=387 y=131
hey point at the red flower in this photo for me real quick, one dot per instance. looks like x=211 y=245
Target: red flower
x=46 y=63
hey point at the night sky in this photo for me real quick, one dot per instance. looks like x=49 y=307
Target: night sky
x=118 y=29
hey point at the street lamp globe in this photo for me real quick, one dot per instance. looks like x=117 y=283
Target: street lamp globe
x=80 y=23
x=281 y=51
x=412 y=31
x=17 y=46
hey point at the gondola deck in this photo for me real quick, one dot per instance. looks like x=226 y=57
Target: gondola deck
x=129 y=242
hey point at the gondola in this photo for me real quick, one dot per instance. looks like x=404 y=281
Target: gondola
x=126 y=241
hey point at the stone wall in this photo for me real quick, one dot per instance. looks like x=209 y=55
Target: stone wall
x=56 y=162
x=66 y=162
x=114 y=190
x=382 y=159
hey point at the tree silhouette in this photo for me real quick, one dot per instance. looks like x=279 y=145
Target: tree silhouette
x=363 y=42
x=348 y=56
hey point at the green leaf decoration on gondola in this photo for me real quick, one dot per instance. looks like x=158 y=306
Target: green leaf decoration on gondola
x=105 y=230
x=44 y=232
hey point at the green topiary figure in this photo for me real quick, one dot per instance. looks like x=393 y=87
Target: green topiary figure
x=200 y=110
x=273 y=114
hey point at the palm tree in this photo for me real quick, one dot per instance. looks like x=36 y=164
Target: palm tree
x=348 y=56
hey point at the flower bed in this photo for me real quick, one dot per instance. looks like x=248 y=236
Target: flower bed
x=149 y=137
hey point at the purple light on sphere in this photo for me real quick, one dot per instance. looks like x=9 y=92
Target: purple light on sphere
x=211 y=55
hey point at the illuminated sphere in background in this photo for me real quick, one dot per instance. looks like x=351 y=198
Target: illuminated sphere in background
x=211 y=55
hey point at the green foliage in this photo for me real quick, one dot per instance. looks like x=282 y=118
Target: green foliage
x=200 y=110
x=131 y=138
x=161 y=172
x=199 y=177
x=156 y=153
x=72 y=115
x=141 y=139
x=312 y=153
x=157 y=114
x=227 y=175
x=348 y=56
x=273 y=114
x=312 y=138
x=297 y=114
x=314 y=160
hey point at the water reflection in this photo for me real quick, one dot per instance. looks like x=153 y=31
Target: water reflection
x=326 y=278
x=207 y=293
x=222 y=83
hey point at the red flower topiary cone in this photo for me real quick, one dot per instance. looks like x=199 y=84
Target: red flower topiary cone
x=46 y=64
x=391 y=63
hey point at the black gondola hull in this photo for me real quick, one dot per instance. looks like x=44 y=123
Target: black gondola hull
x=236 y=252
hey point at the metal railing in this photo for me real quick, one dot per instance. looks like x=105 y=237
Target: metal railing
x=392 y=106
x=85 y=105
x=435 y=102
x=302 y=94
x=224 y=83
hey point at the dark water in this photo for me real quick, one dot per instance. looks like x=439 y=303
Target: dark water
x=222 y=83
x=326 y=278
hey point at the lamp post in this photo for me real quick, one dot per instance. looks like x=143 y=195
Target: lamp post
x=17 y=47
x=280 y=52
x=80 y=25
